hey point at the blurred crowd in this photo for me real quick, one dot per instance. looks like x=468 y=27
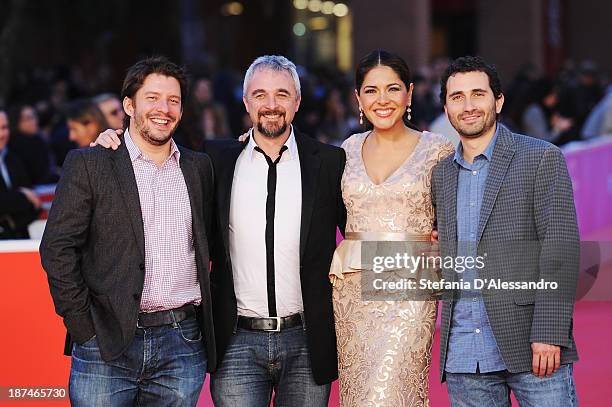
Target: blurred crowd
x=50 y=112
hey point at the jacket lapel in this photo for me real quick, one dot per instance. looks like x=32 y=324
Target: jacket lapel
x=124 y=172
x=310 y=163
x=502 y=156
x=195 y=194
x=450 y=174
x=309 y=168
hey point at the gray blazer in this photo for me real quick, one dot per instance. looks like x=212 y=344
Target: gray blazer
x=93 y=246
x=529 y=232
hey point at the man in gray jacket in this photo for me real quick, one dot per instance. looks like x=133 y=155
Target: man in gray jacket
x=507 y=199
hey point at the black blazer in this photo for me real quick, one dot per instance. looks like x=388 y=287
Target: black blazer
x=322 y=211
x=93 y=246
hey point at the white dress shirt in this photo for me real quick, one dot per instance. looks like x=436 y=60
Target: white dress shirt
x=247 y=225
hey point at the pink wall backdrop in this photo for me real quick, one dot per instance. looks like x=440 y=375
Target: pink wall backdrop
x=590 y=167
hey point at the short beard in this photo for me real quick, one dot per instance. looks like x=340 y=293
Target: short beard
x=476 y=134
x=473 y=135
x=272 y=133
x=146 y=134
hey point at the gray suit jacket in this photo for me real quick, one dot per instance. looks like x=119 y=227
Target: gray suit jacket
x=93 y=246
x=529 y=232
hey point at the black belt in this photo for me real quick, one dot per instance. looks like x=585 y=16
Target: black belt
x=169 y=317
x=271 y=324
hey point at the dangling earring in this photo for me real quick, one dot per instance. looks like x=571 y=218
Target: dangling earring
x=409 y=115
x=360 y=116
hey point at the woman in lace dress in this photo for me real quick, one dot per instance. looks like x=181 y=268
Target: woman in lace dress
x=384 y=347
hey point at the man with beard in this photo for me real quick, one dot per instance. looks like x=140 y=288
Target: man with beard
x=126 y=253
x=506 y=191
x=278 y=205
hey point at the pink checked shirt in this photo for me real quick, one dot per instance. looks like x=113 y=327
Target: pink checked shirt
x=171 y=278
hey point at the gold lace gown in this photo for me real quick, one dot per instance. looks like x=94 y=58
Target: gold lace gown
x=384 y=347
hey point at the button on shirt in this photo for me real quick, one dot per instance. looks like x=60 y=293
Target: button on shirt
x=171 y=278
x=247 y=226
x=471 y=343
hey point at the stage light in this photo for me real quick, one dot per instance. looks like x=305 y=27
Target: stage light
x=314 y=6
x=299 y=29
x=327 y=7
x=233 y=8
x=318 y=23
x=300 y=4
x=341 y=10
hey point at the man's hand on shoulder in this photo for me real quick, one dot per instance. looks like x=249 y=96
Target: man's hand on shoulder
x=109 y=138
x=244 y=136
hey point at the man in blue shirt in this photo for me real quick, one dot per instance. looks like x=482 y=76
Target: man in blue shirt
x=500 y=188
x=472 y=346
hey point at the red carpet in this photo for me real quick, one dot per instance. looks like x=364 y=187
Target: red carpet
x=32 y=341
x=593 y=334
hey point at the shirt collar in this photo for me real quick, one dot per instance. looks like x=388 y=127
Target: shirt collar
x=291 y=144
x=135 y=152
x=487 y=153
x=3 y=153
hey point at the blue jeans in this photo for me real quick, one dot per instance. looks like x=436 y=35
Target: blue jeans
x=493 y=389
x=163 y=366
x=257 y=362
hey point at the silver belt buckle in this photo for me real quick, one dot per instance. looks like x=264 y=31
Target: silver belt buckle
x=138 y=323
x=278 y=324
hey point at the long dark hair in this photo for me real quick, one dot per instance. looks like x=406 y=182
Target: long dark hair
x=384 y=58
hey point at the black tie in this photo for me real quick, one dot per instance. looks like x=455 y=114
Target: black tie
x=270 y=207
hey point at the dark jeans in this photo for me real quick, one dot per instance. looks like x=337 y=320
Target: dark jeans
x=493 y=389
x=163 y=366
x=257 y=362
